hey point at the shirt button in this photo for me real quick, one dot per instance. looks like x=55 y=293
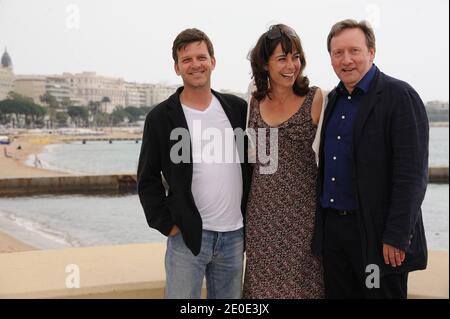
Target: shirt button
x=343 y=117
x=333 y=179
x=349 y=97
x=331 y=200
x=334 y=158
x=339 y=137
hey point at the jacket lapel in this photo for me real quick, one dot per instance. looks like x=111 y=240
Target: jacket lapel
x=178 y=120
x=369 y=102
x=175 y=110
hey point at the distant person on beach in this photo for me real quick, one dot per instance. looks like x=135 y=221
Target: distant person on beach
x=18 y=151
x=5 y=152
x=282 y=204
x=373 y=170
x=202 y=211
x=37 y=162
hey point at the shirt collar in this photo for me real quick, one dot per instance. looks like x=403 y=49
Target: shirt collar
x=363 y=85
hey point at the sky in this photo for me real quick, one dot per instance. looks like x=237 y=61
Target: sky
x=132 y=39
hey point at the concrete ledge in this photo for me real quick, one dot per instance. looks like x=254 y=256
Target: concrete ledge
x=66 y=184
x=108 y=270
x=438 y=174
x=110 y=183
x=137 y=271
x=431 y=283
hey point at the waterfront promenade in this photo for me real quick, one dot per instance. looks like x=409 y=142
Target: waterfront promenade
x=123 y=271
x=137 y=271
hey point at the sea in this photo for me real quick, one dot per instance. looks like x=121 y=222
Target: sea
x=56 y=221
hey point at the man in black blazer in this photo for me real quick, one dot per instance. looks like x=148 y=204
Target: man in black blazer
x=187 y=142
x=373 y=171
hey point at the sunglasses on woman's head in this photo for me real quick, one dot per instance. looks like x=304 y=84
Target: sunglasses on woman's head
x=275 y=32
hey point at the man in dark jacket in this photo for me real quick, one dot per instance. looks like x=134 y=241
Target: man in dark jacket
x=373 y=170
x=195 y=141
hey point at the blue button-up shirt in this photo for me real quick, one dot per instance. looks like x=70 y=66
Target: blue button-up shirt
x=338 y=191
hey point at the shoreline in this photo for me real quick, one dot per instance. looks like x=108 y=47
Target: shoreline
x=14 y=156
x=439 y=124
x=9 y=244
x=13 y=165
x=13 y=160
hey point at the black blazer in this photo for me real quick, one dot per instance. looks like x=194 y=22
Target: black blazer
x=178 y=207
x=390 y=172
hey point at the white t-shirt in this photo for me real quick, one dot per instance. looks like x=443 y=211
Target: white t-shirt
x=217 y=177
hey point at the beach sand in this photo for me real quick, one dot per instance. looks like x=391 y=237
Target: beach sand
x=13 y=164
x=9 y=244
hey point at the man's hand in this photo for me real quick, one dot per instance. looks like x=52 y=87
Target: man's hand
x=393 y=256
x=175 y=230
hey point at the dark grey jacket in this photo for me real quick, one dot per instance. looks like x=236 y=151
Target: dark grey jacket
x=390 y=172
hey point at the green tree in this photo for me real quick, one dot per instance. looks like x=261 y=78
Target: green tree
x=147 y=109
x=61 y=118
x=104 y=102
x=118 y=115
x=93 y=107
x=17 y=107
x=66 y=103
x=78 y=115
x=134 y=113
x=52 y=105
x=102 y=119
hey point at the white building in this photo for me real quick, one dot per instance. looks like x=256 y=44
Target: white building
x=33 y=86
x=156 y=93
x=6 y=76
x=88 y=86
x=136 y=94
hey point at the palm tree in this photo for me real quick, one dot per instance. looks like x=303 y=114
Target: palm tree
x=52 y=104
x=93 y=107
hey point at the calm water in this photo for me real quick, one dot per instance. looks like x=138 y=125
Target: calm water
x=439 y=146
x=76 y=220
x=122 y=157
x=80 y=220
x=92 y=157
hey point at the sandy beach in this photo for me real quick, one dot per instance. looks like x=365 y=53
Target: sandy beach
x=9 y=244
x=13 y=157
x=12 y=164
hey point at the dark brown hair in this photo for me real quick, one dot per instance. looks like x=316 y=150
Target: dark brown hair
x=363 y=25
x=259 y=59
x=189 y=36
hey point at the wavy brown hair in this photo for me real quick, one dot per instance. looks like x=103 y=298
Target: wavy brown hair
x=187 y=37
x=259 y=58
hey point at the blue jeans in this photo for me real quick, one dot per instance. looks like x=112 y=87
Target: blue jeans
x=220 y=260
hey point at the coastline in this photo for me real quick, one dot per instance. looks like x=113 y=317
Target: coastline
x=439 y=124
x=14 y=166
x=9 y=244
x=12 y=163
